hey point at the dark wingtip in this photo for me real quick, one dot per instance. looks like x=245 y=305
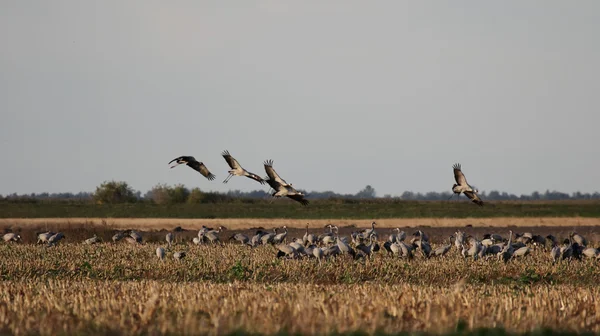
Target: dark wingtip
x=456 y=166
x=211 y=177
x=225 y=153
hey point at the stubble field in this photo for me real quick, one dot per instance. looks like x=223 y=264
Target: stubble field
x=121 y=288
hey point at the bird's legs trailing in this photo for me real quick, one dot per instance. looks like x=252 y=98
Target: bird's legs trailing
x=452 y=196
x=228 y=178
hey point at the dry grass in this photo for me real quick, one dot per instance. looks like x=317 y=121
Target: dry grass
x=153 y=307
x=247 y=223
x=108 y=288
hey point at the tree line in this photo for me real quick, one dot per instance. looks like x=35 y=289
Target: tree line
x=111 y=192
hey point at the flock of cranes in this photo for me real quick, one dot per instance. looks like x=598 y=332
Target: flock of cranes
x=360 y=244
x=363 y=243
x=281 y=188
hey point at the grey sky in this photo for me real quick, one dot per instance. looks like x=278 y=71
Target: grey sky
x=340 y=94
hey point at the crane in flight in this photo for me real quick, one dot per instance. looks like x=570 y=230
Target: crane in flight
x=461 y=186
x=238 y=170
x=281 y=187
x=195 y=165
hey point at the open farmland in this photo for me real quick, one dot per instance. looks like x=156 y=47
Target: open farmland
x=118 y=287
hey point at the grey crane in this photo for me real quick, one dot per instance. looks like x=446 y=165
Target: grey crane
x=368 y=232
x=579 y=239
x=238 y=170
x=344 y=247
x=160 y=252
x=118 y=236
x=508 y=249
x=132 y=240
x=281 y=187
x=191 y=162
x=212 y=236
x=521 y=252
x=369 y=249
x=8 y=237
x=459 y=239
x=94 y=240
x=461 y=186
x=421 y=235
x=286 y=251
x=44 y=236
x=169 y=238
x=424 y=247
x=242 y=238
x=555 y=253
x=318 y=253
x=590 y=252
x=442 y=250
x=256 y=239
x=179 y=255
x=55 y=238
x=309 y=238
x=566 y=251
x=268 y=237
x=136 y=236
x=280 y=237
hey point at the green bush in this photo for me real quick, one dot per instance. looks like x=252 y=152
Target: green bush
x=113 y=192
x=196 y=196
x=179 y=194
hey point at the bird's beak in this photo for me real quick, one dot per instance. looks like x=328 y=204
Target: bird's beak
x=175 y=165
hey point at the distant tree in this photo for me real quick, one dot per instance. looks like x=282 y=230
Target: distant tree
x=179 y=194
x=408 y=195
x=367 y=192
x=195 y=196
x=114 y=192
x=160 y=194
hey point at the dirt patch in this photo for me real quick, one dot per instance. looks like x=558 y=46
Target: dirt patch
x=153 y=230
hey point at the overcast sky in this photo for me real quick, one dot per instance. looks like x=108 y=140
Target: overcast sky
x=340 y=94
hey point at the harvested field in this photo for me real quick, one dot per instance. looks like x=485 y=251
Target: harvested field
x=123 y=288
x=154 y=307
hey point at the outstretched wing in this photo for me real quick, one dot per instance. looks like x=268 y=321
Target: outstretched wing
x=473 y=197
x=299 y=198
x=273 y=174
x=459 y=176
x=182 y=159
x=273 y=184
x=256 y=178
x=201 y=168
x=230 y=160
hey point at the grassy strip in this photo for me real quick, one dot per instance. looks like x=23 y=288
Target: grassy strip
x=326 y=209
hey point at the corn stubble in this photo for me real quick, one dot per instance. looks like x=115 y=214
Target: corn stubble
x=107 y=288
